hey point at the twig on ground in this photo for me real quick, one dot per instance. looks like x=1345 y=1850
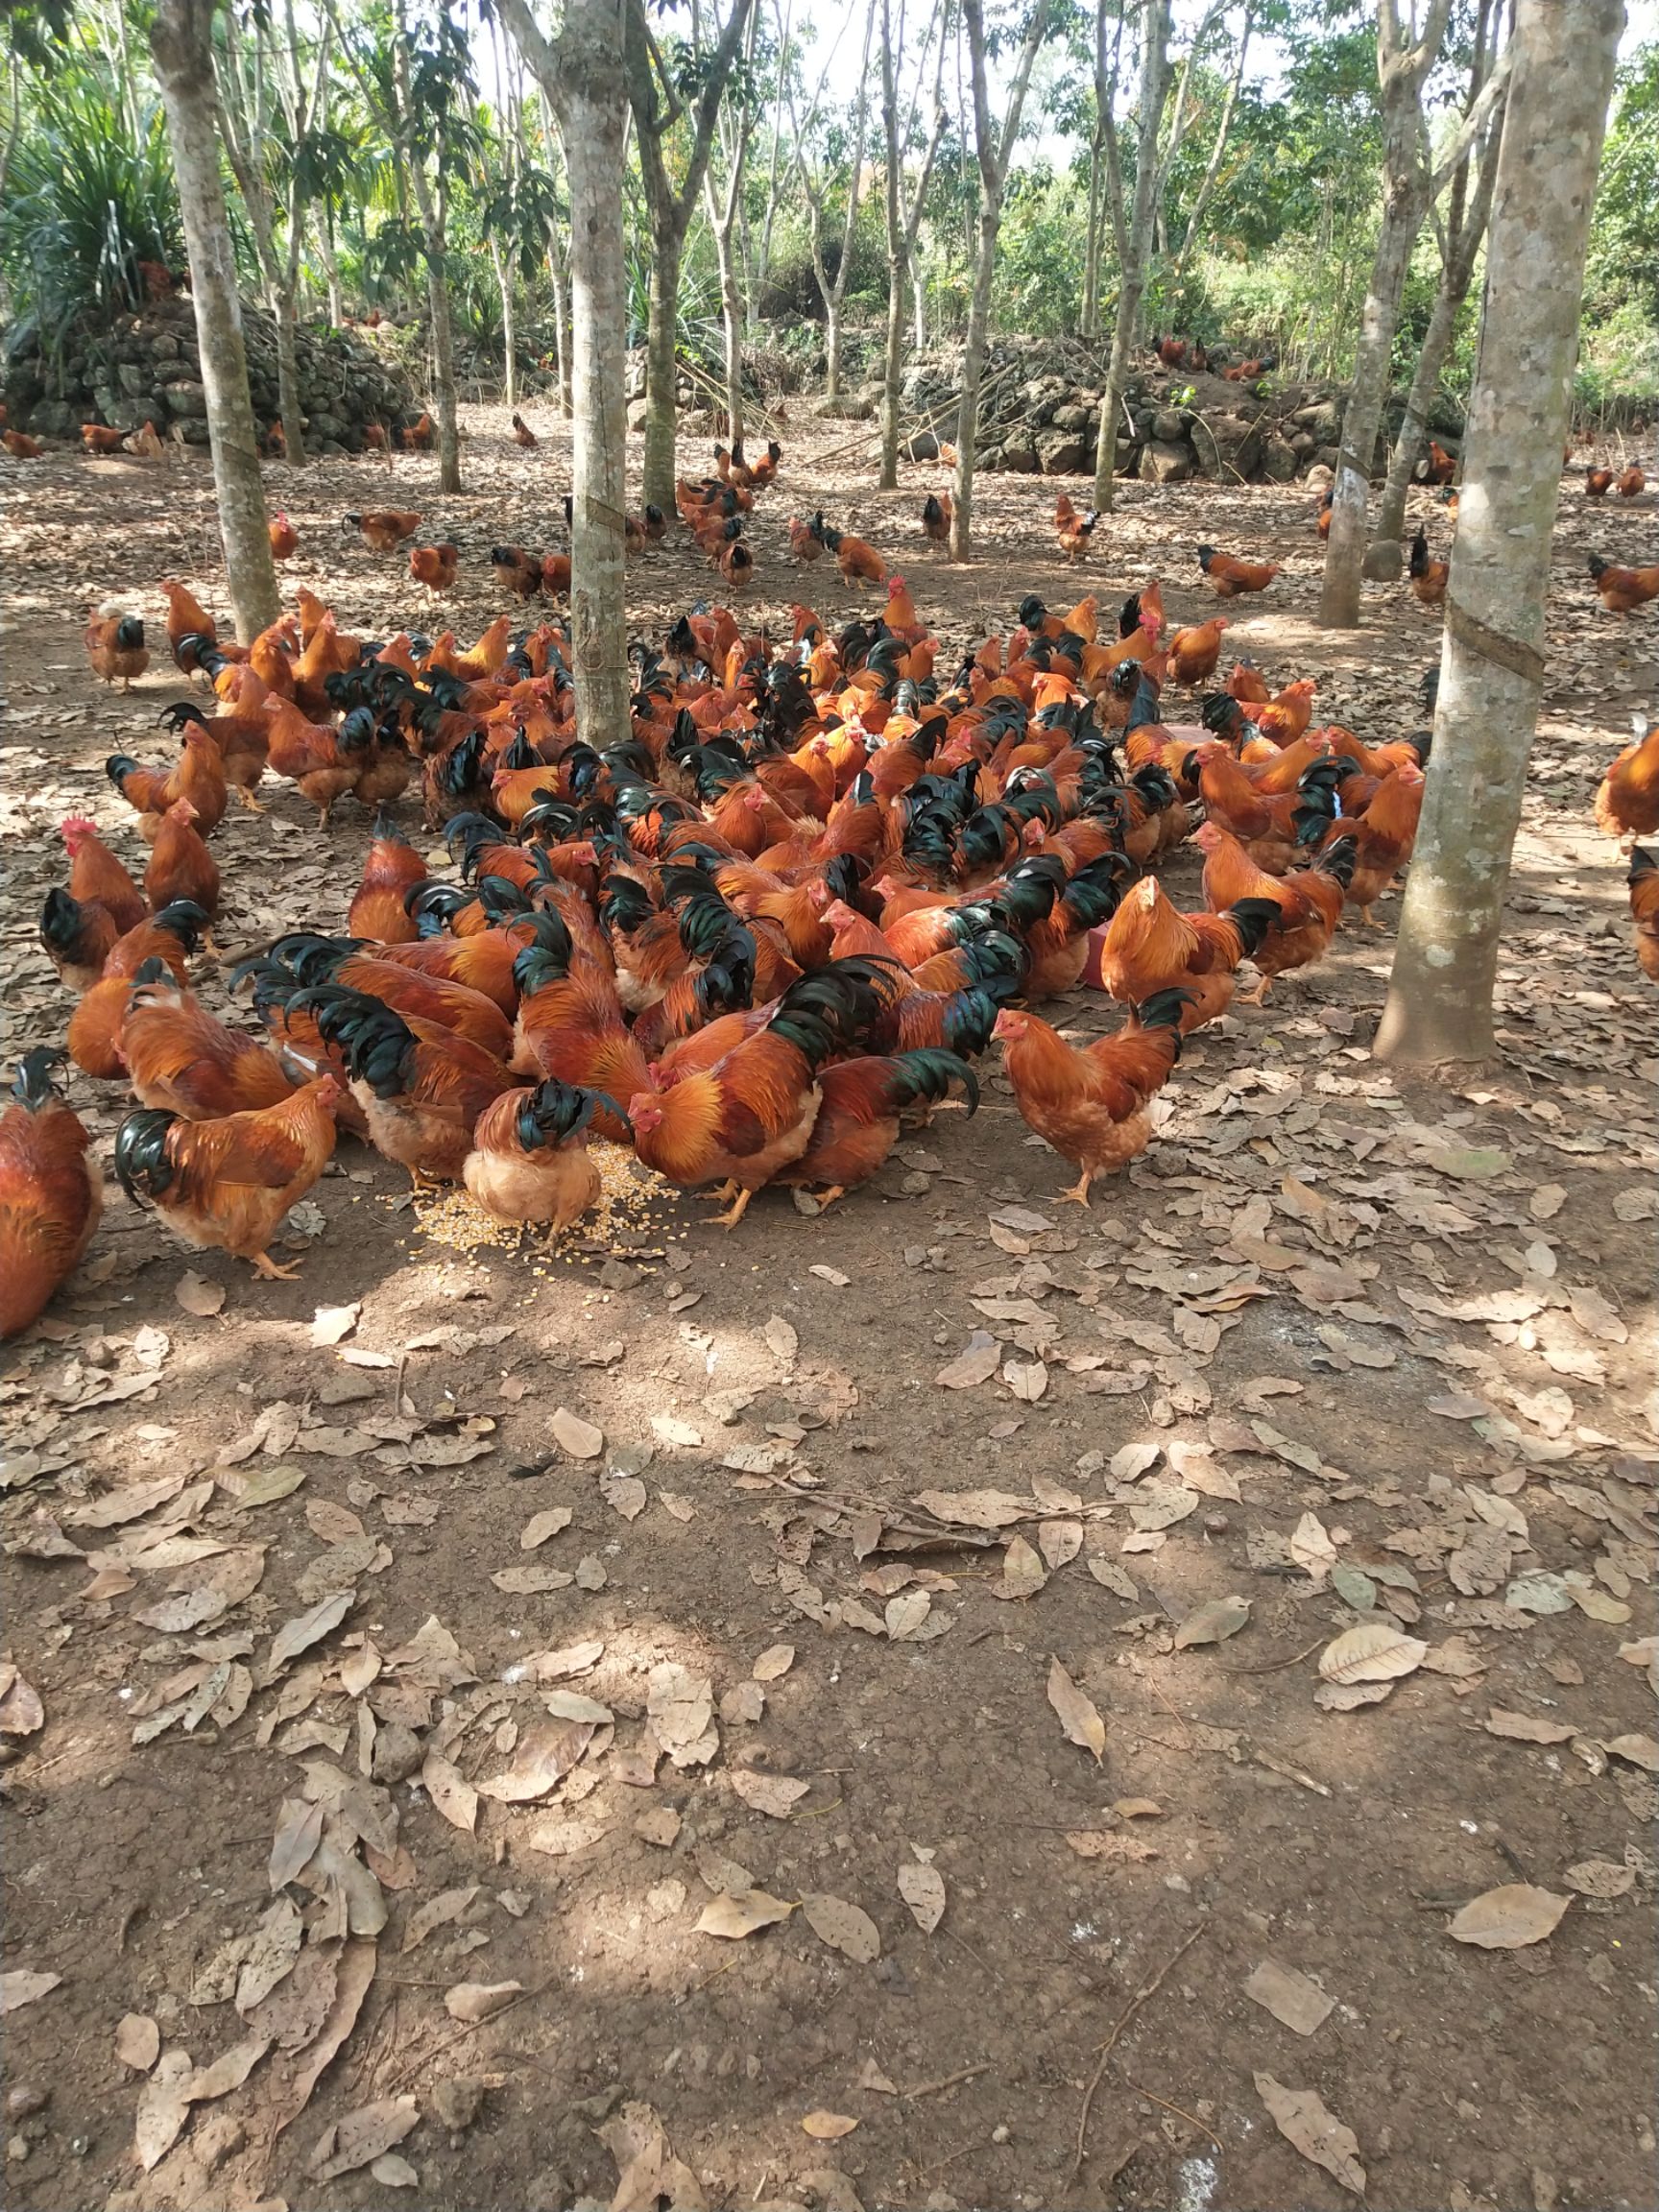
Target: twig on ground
x=1146 y=1990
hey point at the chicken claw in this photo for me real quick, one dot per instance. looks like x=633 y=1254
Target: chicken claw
x=734 y=1212
x=1078 y=1194
x=272 y=1270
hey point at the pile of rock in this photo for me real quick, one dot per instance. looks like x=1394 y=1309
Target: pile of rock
x=145 y=368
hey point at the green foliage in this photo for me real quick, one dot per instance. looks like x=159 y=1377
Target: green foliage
x=1623 y=266
x=87 y=199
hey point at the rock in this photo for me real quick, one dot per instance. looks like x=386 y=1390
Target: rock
x=457 y=2101
x=924 y=446
x=1164 y=463
x=1278 y=460
x=845 y=408
x=1227 y=446
x=25 y=2100
x=1020 y=459
x=1061 y=454
x=184 y=399
x=396 y=1754
x=637 y=410
x=549 y=2192
x=1329 y=457
x=1074 y=417
x=130 y=377
x=1303 y=443
x=1170 y=425
x=325 y=427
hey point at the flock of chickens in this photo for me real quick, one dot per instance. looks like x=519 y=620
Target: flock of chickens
x=793 y=906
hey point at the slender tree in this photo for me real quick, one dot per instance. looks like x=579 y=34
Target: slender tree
x=1459 y=237
x=180 y=44
x=268 y=105
x=737 y=125
x=581 y=72
x=904 y=213
x=1492 y=664
x=994 y=146
x=1218 y=152
x=670 y=200
x=1408 y=186
x=1134 y=236
x=815 y=186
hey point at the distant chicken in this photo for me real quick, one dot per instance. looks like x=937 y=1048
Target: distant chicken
x=516 y=569
x=860 y=564
x=285 y=537
x=1309 y=901
x=523 y=435
x=96 y=439
x=20 y=446
x=228 y=1182
x=197 y=775
x=116 y=649
x=435 y=566
x=530 y=1160
x=555 y=575
x=1632 y=483
x=1627 y=800
x=937 y=512
x=1193 y=653
x=1322 y=520
x=1427 y=577
x=382 y=529
x=1229 y=576
x=416 y=437
x=180 y=865
x=1073 y=530
x=1440 y=467
x=51 y=1193
x=1093 y=1105
x=1598 y=482
x=1623 y=590
x=805 y=544
x=1644 y=880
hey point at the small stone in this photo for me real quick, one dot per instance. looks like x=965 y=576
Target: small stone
x=25 y=2100
x=17 y=2149
x=1216 y=1523
x=456 y=2101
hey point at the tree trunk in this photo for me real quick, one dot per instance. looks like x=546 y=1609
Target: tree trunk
x=1405 y=191
x=444 y=364
x=1132 y=278
x=1089 y=321
x=582 y=76
x=918 y=301
x=891 y=369
x=180 y=43
x=504 y=276
x=731 y=320
x=1491 y=673
x=661 y=330
x=972 y=371
x=1382 y=559
x=282 y=309
x=832 y=347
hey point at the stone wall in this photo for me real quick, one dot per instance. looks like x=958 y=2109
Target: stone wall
x=145 y=368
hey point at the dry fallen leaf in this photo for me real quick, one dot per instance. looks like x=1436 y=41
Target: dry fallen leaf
x=1312 y=1548
x=780 y=1340
x=1023 y=1573
x=828 y=2127
x=624 y=1494
x=1213 y=1624
x=137 y=2041
x=21 y=1712
x=846 y=1928
x=333 y=1324
x=975 y=1508
x=1106 y=1844
x=1293 y=1998
x=975 y=1363
x=197 y=1295
x=451 y=1793
x=475 y=2001
x=775 y=1795
x=923 y=1889
x=1600 y=1877
x=1079 y=1720
x=363 y=2136
x=740 y=1916
x=573 y=1435
x=542 y=1525
x=1301 y=2118
x=437 y=1913
x=1371 y=1651
x=1510 y=1917
x=773 y=1663
x=21 y=1986
x=1523 y=1728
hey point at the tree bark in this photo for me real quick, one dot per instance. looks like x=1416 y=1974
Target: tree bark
x=995 y=148
x=670 y=206
x=1491 y=672
x=504 y=281
x=1461 y=238
x=180 y=44
x=582 y=76
x=1401 y=69
x=904 y=227
x=442 y=360
x=1135 y=243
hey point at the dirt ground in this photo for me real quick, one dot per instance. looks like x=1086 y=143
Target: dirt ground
x=1072 y=1901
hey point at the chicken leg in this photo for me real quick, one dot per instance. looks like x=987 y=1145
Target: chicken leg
x=272 y=1270
x=1078 y=1194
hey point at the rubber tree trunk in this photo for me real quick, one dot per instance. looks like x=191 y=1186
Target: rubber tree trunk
x=730 y=321
x=180 y=43
x=893 y=356
x=505 y=285
x=1491 y=671
x=1382 y=559
x=1402 y=70
x=582 y=75
x=287 y=323
x=972 y=375
x=662 y=331
x=1132 y=277
x=443 y=363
